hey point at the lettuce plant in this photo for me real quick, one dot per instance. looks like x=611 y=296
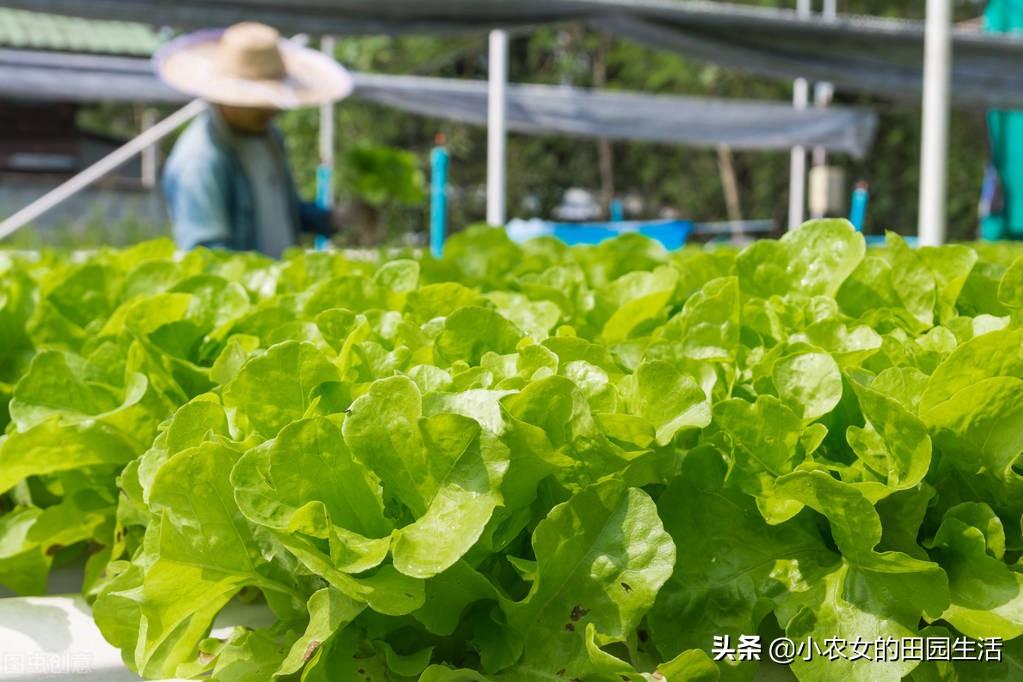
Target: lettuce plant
x=523 y=463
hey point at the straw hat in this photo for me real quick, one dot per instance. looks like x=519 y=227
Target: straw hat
x=250 y=65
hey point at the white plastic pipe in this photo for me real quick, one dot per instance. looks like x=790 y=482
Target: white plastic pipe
x=934 y=141
x=824 y=91
x=150 y=160
x=327 y=44
x=107 y=164
x=797 y=163
x=497 y=128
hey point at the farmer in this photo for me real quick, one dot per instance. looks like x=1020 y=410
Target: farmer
x=227 y=182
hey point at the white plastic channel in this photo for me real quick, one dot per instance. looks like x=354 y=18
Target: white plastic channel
x=54 y=639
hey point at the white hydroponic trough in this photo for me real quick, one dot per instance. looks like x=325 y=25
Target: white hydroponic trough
x=54 y=638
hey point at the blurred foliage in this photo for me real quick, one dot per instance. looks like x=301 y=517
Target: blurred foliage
x=381 y=175
x=682 y=180
x=376 y=178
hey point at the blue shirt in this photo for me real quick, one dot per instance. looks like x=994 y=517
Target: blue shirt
x=275 y=224
x=211 y=197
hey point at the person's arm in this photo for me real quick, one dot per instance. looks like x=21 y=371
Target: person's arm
x=314 y=219
x=311 y=217
x=197 y=200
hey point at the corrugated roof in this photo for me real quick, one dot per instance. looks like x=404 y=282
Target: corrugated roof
x=39 y=31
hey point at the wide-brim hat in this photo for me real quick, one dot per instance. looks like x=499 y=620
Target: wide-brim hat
x=250 y=65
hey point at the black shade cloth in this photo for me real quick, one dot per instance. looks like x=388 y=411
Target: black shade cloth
x=532 y=109
x=869 y=55
x=690 y=121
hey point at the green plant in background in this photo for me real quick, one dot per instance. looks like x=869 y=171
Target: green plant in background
x=376 y=177
x=522 y=462
x=91 y=232
x=379 y=175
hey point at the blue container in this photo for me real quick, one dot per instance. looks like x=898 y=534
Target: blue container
x=672 y=234
x=879 y=240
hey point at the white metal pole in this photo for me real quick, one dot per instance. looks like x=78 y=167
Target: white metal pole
x=497 y=133
x=327 y=44
x=823 y=91
x=797 y=163
x=97 y=170
x=934 y=141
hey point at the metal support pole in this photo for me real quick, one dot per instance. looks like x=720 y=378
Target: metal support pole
x=823 y=91
x=108 y=163
x=934 y=140
x=497 y=133
x=797 y=163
